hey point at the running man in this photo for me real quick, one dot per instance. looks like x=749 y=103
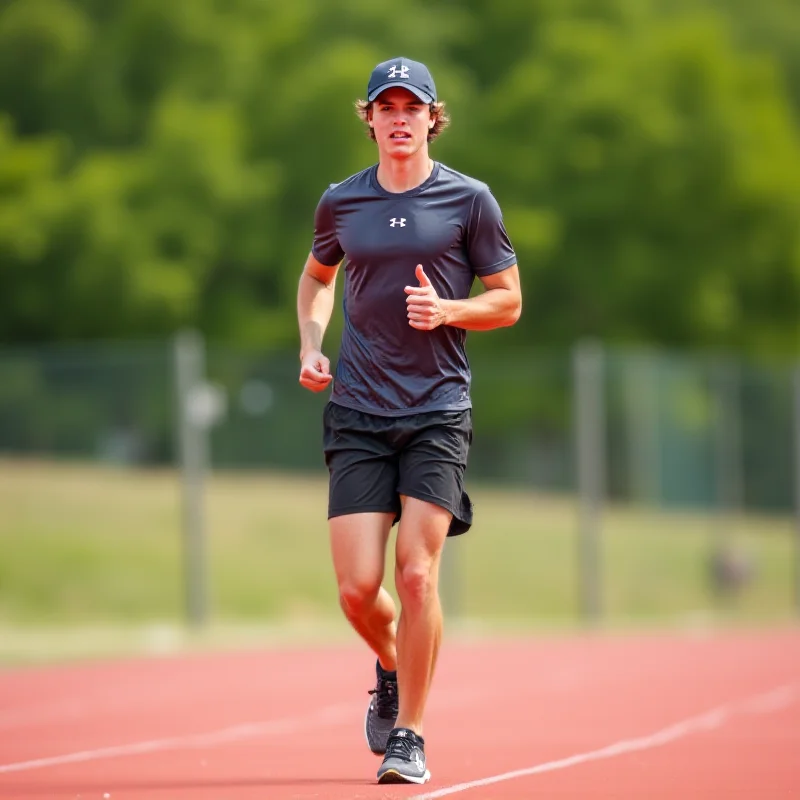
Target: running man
x=413 y=234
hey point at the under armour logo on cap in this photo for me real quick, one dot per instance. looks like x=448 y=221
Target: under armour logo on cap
x=395 y=221
x=404 y=72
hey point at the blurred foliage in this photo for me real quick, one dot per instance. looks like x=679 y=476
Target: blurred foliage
x=160 y=161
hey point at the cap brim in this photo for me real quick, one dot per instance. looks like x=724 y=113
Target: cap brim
x=424 y=96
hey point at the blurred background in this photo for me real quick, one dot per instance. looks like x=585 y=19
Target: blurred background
x=637 y=433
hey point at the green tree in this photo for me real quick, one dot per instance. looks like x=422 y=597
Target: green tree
x=160 y=161
x=650 y=176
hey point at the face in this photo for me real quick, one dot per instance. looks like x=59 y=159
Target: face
x=401 y=122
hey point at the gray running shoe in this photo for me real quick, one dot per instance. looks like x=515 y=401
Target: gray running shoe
x=382 y=710
x=404 y=761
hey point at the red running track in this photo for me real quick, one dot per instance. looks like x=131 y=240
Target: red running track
x=598 y=716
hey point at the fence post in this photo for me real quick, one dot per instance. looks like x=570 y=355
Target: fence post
x=589 y=415
x=199 y=405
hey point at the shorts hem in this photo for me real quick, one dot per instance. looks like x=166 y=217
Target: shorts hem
x=428 y=498
x=362 y=509
x=458 y=524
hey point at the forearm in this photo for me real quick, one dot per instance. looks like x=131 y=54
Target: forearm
x=314 y=309
x=494 y=308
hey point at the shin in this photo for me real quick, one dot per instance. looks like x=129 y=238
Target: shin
x=358 y=546
x=423 y=530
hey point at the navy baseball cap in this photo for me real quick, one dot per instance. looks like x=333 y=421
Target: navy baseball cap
x=405 y=73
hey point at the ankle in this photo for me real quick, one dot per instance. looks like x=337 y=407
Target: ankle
x=411 y=727
x=387 y=674
x=406 y=732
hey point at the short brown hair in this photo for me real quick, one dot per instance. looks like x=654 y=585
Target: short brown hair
x=438 y=110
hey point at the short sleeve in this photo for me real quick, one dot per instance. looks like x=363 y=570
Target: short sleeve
x=326 y=248
x=488 y=244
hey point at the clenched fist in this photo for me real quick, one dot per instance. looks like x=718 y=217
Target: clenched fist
x=315 y=371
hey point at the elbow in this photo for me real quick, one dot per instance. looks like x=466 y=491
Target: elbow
x=514 y=312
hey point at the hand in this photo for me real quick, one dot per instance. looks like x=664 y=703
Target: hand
x=425 y=307
x=315 y=371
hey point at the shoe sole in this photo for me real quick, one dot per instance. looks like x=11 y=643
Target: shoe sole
x=393 y=776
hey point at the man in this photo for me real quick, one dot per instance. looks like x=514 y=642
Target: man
x=413 y=235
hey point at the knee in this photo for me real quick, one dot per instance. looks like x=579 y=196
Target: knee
x=416 y=583
x=356 y=597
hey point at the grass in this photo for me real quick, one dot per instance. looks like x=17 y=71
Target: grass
x=98 y=546
x=654 y=566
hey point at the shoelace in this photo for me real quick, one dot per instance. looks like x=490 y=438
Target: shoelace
x=386 y=692
x=399 y=747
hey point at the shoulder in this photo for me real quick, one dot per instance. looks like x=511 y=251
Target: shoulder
x=343 y=188
x=466 y=183
x=479 y=203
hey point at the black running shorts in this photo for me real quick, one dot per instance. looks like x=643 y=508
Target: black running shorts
x=372 y=460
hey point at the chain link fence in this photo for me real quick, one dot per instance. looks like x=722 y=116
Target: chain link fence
x=668 y=433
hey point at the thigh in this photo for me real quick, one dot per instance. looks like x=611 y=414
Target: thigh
x=421 y=534
x=358 y=547
x=363 y=467
x=433 y=465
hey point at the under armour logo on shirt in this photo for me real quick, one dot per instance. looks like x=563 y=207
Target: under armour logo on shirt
x=395 y=221
x=398 y=72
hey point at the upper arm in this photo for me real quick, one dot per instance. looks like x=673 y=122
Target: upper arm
x=326 y=250
x=505 y=279
x=488 y=245
x=319 y=271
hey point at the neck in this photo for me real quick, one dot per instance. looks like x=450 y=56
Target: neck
x=401 y=175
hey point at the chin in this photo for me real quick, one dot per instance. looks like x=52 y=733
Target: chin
x=401 y=151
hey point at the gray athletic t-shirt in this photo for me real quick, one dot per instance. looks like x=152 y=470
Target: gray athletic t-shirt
x=452 y=225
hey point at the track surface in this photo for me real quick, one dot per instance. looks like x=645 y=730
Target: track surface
x=601 y=716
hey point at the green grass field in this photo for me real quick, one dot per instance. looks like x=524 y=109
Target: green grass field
x=90 y=545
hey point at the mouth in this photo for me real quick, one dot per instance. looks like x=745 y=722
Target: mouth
x=400 y=136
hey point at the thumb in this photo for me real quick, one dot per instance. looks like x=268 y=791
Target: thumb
x=423 y=279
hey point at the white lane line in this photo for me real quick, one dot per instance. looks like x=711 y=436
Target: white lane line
x=759 y=704
x=331 y=715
